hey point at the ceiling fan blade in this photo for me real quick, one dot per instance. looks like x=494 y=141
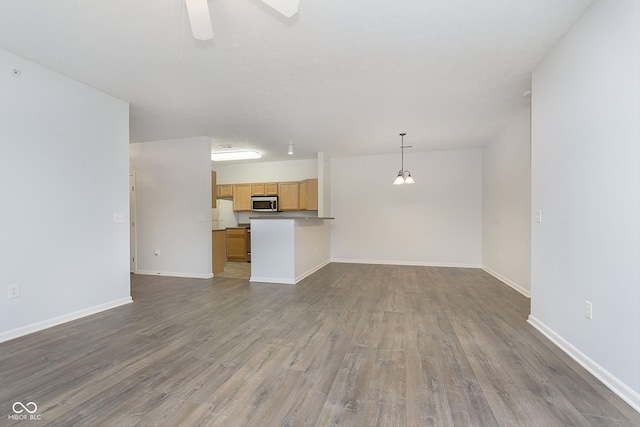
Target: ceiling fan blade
x=286 y=7
x=200 y=19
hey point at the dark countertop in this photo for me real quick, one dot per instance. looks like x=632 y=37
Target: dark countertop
x=293 y=217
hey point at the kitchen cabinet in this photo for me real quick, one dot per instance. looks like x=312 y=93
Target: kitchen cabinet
x=241 y=197
x=292 y=196
x=308 y=199
x=288 y=196
x=214 y=190
x=218 y=251
x=225 y=191
x=270 y=188
x=264 y=189
x=237 y=244
x=257 y=189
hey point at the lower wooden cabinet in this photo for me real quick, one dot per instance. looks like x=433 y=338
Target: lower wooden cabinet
x=237 y=244
x=218 y=251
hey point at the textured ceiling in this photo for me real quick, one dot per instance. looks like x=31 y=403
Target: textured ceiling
x=344 y=77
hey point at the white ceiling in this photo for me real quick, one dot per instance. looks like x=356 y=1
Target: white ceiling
x=344 y=77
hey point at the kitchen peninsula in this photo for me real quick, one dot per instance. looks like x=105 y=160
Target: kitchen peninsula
x=288 y=249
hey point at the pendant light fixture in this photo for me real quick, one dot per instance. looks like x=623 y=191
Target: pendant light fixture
x=404 y=176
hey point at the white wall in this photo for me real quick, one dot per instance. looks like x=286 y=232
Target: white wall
x=273 y=251
x=312 y=246
x=436 y=221
x=290 y=170
x=63 y=174
x=288 y=250
x=173 y=193
x=506 y=204
x=586 y=181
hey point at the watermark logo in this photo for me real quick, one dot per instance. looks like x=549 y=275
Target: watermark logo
x=24 y=411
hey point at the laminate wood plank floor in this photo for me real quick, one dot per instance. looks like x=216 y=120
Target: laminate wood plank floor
x=351 y=345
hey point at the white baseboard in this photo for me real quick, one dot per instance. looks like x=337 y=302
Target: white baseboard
x=617 y=386
x=311 y=271
x=289 y=281
x=508 y=282
x=410 y=263
x=170 y=274
x=272 y=280
x=39 y=326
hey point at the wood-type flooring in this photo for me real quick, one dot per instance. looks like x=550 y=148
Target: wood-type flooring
x=351 y=345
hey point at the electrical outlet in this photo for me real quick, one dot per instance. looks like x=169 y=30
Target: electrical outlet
x=14 y=291
x=588 y=310
x=539 y=216
x=156 y=252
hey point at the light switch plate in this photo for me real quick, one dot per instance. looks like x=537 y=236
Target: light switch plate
x=539 y=216
x=118 y=218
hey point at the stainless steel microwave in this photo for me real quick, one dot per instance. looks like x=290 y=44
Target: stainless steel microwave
x=264 y=203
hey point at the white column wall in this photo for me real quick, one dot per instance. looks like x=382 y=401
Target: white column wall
x=586 y=182
x=273 y=251
x=173 y=195
x=63 y=175
x=506 y=204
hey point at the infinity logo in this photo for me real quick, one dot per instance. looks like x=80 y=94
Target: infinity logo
x=25 y=407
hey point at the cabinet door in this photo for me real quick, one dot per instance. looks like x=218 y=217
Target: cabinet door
x=309 y=195
x=218 y=251
x=214 y=190
x=288 y=196
x=302 y=200
x=236 y=244
x=225 y=191
x=241 y=197
x=257 y=189
x=271 y=189
x=312 y=194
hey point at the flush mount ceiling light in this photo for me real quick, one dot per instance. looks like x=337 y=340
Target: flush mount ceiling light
x=222 y=156
x=290 y=152
x=404 y=176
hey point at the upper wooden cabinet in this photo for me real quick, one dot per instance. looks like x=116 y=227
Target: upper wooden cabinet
x=241 y=197
x=264 y=189
x=271 y=189
x=225 y=191
x=289 y=196
x=308 y=198
x=257 y=189
x=292 y=196
x=214 y=190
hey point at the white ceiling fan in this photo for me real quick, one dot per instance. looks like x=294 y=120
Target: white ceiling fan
x=200 y=18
